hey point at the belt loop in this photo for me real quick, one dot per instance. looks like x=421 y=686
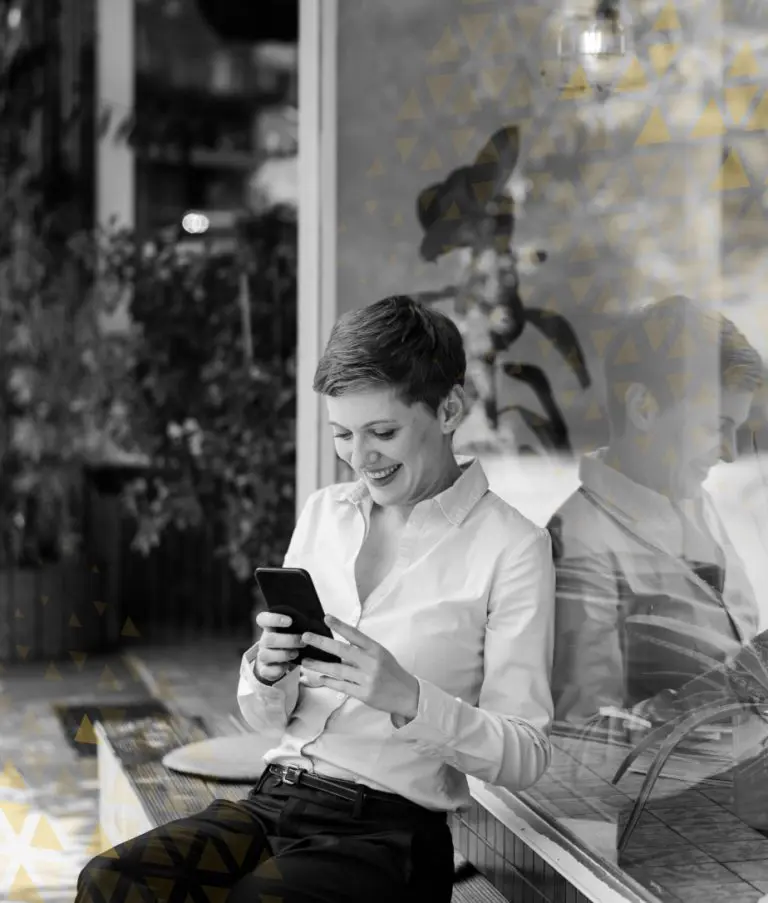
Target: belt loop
x=357 y=809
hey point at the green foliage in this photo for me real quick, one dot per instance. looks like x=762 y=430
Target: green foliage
x=219 y=427
x=473 y=211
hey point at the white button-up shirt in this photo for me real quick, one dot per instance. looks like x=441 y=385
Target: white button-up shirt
x=468 y=609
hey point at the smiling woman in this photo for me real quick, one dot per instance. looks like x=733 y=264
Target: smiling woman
x=440 y=600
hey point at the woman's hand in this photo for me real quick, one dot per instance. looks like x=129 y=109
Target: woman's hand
x=367 y=672
x=275 y=652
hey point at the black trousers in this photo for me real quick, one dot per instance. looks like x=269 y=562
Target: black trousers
x=283 y=844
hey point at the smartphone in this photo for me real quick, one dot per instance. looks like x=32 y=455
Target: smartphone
x=290 y=591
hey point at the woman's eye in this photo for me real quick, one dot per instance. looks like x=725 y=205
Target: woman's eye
x=385 y=434
x=341 y=436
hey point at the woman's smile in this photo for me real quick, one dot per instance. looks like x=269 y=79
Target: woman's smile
x=382 y=476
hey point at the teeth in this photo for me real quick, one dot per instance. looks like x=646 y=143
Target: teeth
x=380 y=474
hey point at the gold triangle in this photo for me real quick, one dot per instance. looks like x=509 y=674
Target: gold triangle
x=627 y=354
x=163 y=888
x=711 y=122
x=371 y=206
x=595 y=174
x=52 y=672
x=678 y=383
x=580 y=286
x=501 y=43
x=657 y=330
x=397 y=219
x=44 y=837
x=11 y=777
x=85 y=733
x=452 y=212
x=668 y=19
x=74 y=621
x=129 y=629
x=654 y=131
x=23 y=889
x=594 y=412
x=584 y=251
x=98 y=844
x=732 y=175
x=405 y=147
x=432 y=161
x=108 y=679
x=461 y=140
x=682 y=347
x=44 y=600
x=495 y=79
x=439 y=86
x=100 y=607
x=447 y=49
x=578 y=85
x=744 y=64
x=738 y=101
x=483 y=191
x=465 y=101
x=519 y=95
x=79 y=659
x=530 y=16
x=155 y=854
x=16 y=813
x=211 y=860
x=759 y=120
x=411 y=108
x=661 y=55
x=474 y=27
x=634 y=77
x=23 y=651
x=376 y=168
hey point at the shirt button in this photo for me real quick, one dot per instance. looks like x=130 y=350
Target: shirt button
x=340 y=697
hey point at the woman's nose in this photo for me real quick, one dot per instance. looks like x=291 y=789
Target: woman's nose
x=362 y=456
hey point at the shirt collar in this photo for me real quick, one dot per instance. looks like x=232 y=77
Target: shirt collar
x=455 y=503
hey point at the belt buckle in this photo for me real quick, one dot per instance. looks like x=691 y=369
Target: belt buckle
x=291 y=775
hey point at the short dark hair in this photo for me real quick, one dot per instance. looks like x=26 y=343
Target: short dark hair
x=396 y=342
x=664 y=344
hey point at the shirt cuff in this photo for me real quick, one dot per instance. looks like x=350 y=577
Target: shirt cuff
x=272 y=695
x=435 y=723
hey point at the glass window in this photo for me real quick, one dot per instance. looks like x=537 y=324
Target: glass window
x=586 y=195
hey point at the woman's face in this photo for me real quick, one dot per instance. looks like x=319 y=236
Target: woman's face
x=402 y=452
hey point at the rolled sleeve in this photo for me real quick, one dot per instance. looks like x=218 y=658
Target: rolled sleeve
x=503 y=740
x=266 y=707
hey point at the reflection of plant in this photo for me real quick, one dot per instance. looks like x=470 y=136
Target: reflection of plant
x=473 y=211
x=216 y=412
x=737 y=687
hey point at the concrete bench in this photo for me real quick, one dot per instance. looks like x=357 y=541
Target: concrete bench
x=138 y=793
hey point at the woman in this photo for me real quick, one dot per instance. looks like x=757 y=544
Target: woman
x=440 y=597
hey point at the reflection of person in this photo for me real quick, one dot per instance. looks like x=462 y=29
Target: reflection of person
x=442 y=599
x=650 y=592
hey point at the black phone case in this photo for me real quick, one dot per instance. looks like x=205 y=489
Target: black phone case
x=291 y=592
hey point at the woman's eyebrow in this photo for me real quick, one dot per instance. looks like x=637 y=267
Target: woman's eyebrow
x=365 y=425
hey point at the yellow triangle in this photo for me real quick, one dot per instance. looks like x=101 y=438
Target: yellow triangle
x=447 y=49
x=578 y=85
x=439 y=86
x=474 y=27
x=744 y=64
x=657 y=330
x=211 y=860
x=634 y=77
x=52 y=672
x=465 y=101
x=678 y=383
x=74 y=621
x=44 y=600
x=23 y=651
x=156 y=855
x=452 y=212
x=79 y=659
x=411 y=108
x=594 y=412
x=759 y=120
x=710 y=122
x=501 y=43
x=580 y=286
x=461 y=140
x=627 y=354
x=397 y=219
x=732 y=175
x=11 y=777
x=494 y=80
x=661 y=55
x=107 y=883
x=23 y=889
x=530 y=16
x=371 y=206
x=432 y=161
x=108 y=679
x=16 y=813
x=738 y=101
x=129 y=629
x=583 y=251
x=376 y=168
x=519 y=95
x=44 y=837
x=668 y=19
x=98 y=844
x=405 y=147
x=100 y=607
x=85 y=733
x=654 y=131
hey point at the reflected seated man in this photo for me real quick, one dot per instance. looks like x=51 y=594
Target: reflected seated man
x=650 y=591
x=440 y=597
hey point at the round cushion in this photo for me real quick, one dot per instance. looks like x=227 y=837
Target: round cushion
x=238 y=758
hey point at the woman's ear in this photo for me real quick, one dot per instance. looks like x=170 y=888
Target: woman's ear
x=641 y=407
x=453 y=409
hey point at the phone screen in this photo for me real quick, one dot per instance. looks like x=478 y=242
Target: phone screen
x=291 y=592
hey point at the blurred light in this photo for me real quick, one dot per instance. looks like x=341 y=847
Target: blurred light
x=14 y=17
x=195 y=223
